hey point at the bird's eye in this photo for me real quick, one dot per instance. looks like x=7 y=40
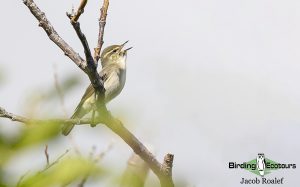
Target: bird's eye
x=115 y=50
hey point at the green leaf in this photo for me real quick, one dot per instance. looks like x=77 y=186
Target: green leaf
x=37 y=134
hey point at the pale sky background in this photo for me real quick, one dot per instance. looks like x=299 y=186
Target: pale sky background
x=210 y=81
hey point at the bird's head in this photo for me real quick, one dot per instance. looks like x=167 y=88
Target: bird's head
x=114 y=54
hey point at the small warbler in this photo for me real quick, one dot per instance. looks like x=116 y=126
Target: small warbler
x=113 y=74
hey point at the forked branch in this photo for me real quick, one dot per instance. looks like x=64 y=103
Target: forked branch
x=79 y=11
x=89 y=69
x=163 y=171
x=89 y=66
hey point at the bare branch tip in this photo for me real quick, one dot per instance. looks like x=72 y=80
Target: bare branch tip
x=102 y=22
x=168 y=160
x=168 y=164
x=74 y=16
x=2 y=110
x=69 y=15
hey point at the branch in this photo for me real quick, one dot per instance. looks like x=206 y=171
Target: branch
x=167 y=168
x=74 y=16
x=79 y=11
x=92 y=65
x=53 y=35
x=116 y=126
x=89 y=68
x=102 y=23
x=28 y=121
x=161 y=170
x=84 y=42
x=13 y=117
x=168 y=164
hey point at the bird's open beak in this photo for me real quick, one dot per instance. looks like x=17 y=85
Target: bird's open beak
x=128 y=49
x=122 y=46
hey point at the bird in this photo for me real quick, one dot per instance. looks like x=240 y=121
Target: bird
x=113 y=74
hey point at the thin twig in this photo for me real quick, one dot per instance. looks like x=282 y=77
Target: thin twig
x=74 y=16
x=55 y=162
x=21 y=178
x=79 y=11
x=46 y=154
x=102 y=23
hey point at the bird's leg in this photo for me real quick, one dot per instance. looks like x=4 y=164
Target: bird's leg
x=103 y=112
x=94 y=110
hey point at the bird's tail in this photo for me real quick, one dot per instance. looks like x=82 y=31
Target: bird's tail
x=67 y=128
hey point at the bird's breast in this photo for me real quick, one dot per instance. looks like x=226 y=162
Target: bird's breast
x=114 y=84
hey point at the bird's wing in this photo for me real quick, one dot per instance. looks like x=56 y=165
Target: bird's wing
x=110 y=77
x=90 y=89
x=87 y=94
x=107 y=70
